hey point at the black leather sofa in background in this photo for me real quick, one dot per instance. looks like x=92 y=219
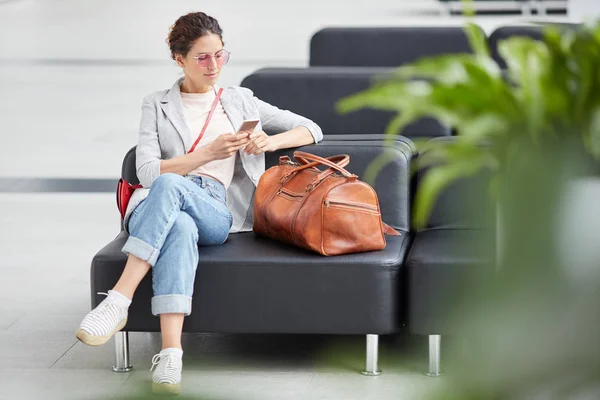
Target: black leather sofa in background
x=383 y=46
x=313 y=92
x=450 y=260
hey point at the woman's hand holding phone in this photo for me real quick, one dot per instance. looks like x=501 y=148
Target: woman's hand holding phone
x=227 y=145
x=260 y=143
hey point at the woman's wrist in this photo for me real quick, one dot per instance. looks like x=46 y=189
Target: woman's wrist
x=276 y=143
x=203 y=155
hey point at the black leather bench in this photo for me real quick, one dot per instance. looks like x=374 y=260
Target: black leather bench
x=451 y=254
x=384 y=46
x=256 y=285
x=313 y=92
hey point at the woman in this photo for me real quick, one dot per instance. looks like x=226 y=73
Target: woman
x=194 y=198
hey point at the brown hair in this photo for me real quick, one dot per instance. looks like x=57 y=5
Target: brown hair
x=188 y=28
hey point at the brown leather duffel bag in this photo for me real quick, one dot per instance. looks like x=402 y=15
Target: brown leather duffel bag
x=330 y=211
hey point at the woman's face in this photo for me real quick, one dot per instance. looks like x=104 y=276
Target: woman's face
x=204 y=61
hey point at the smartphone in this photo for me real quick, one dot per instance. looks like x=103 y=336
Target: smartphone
x=248 y=126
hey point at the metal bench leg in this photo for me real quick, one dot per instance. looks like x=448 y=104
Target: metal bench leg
x=122 y=352
x=434 y=355
x=371 y=366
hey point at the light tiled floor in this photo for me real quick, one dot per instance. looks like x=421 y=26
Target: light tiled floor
x=59 y=384
x=47 y=242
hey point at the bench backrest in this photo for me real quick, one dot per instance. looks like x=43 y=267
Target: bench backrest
x=313 y=93
x=465 y=203
x=384 y=46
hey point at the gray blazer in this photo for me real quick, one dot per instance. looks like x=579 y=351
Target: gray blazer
x=164 y=134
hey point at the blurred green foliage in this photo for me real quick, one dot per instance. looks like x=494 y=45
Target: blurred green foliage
x=549 y=94
x=531 y=332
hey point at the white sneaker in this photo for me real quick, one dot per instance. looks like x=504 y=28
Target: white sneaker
x=109 y=317
x=166 y=379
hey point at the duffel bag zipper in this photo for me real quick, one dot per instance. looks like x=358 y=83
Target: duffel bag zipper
x=290 y=196
x=355 y=206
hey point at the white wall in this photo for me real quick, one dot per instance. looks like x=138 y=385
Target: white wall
x=582 y=10
x=73 y=73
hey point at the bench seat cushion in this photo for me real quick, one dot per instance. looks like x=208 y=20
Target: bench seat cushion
x=442 y=265
x=256 y=285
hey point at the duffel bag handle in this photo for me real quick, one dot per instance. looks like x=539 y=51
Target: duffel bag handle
x=332 y=168
x=342 y=163
x=335 y=162
x=331 y=162
x=283 y=160
x=323 y=175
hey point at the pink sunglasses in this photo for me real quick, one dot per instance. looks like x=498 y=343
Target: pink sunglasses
x=205 y=60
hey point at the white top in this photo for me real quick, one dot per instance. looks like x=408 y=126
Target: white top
x=196 y=107
x=164 y=134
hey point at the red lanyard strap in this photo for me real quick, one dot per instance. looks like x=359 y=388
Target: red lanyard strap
x=210 y=114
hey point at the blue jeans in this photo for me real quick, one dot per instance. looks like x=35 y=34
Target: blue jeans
x=166 y=228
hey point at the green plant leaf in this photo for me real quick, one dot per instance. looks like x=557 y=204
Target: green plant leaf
x=593 y=138
x=396 y=125
x=477 y=40
x=527 y=61
x=378 y=163
x=446 y=162
x=549 y=96
x=484 y=126
x=435 y=180
x=468 y=8
x=383 y=96
x=446 y=69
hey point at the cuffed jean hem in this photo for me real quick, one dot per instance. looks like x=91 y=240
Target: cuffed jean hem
x=172 y=303
x=141 y=249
